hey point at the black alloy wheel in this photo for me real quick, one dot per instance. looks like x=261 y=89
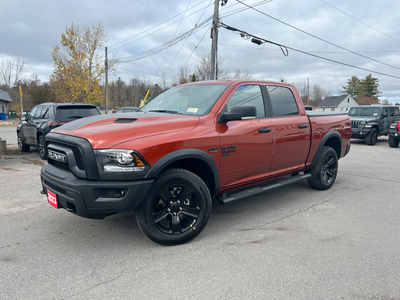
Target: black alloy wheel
x=177 y=208
x=325 y=170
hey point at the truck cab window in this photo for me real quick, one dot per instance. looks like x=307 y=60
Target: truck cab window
x=282 y=101
x=248 y=95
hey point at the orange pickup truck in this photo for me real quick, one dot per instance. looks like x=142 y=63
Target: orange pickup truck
x=222 y=140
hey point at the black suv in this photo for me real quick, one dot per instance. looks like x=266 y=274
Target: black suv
x=46 y=116
x=370 y=121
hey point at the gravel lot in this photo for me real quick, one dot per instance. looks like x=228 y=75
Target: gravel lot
x=289 y=243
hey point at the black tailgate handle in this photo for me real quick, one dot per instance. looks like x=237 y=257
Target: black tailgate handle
x=264 y=130
x=303 y=125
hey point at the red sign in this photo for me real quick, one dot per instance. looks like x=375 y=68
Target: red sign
x=52 y=198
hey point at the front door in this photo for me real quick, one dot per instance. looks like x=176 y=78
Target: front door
x=246 y=145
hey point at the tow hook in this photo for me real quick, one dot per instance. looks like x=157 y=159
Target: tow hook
x=43 y=192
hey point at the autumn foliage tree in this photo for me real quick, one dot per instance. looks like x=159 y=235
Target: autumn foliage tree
x=79 y=64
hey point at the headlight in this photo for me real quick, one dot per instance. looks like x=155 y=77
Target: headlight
x=120 y=164
x=362 y=123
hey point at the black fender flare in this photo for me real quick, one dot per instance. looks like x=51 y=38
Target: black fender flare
x=177 y=155
x=328 y=136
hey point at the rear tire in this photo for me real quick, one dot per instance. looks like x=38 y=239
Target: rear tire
x=42 y=147
x=325 y=170
x=372 y=137
x=176 y=209
x=21 y=145
x=393 y=143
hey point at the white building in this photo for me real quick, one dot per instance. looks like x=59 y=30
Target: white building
x=337 y=103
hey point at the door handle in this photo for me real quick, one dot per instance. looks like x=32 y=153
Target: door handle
x=264 y=130
x=303 y=125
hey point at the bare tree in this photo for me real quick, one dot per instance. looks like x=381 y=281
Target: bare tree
x=11 y=71
x=203 y=69
x=239 y=74
x=311 y=95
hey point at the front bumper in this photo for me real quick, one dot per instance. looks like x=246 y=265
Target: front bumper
x=93 y=199
x=395 y=134
x=359 y=133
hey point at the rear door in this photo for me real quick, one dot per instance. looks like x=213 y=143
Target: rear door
x=291 y=130
x=245 y=145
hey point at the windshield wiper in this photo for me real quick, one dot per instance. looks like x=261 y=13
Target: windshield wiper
x=75 y=117
x=164 y=111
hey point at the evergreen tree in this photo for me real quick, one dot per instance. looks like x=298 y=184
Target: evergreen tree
x=369 y=87
x=353 y=87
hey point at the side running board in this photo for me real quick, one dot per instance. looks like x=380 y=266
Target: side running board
x=226 y=198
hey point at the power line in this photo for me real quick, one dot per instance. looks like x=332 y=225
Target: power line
x=326 y=52
x=165 y=45
x=143 y=74
x=260 y=40
x=360 y=21
x=154 y=26
x=179 y=51
x=176 y=30
x=321 y=39
x=151 y=33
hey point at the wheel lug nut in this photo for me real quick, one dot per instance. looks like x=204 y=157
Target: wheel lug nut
x=174 y=213
x=180 y=208
x=178 y=202
x=168 y=209
x=170 y=202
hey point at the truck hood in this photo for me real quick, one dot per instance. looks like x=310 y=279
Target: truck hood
x=363 y=118
x=107 y=131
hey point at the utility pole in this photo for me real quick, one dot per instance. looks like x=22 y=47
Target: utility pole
x=106 y=83
x=308 y=91
x=22 y=103
x=214 y=44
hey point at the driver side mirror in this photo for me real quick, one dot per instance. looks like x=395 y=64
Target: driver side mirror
x=238 y=113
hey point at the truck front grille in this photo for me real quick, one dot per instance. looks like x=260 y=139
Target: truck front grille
x=77 y=154
x=80 y=159
x=355 y=124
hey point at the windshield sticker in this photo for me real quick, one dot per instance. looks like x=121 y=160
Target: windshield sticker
x=192 y=110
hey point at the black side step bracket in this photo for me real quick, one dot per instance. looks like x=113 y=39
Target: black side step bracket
x=226 y=198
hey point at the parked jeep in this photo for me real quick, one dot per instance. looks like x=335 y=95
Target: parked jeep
x=45 y=117
x=394 y=135
x=371 y=121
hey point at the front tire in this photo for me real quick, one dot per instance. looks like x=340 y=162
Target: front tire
x=325 y=170
x=393 y=143
x=372 y=137
x=177 y=208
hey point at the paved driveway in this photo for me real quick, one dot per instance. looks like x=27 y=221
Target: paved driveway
x=289 y=243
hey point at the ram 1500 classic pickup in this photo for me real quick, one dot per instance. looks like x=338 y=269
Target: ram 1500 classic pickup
x=223 y=140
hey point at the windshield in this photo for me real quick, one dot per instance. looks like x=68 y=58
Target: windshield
x=193 y=100
x=365 y=111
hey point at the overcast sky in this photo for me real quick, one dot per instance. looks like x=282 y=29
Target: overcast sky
x=370 y=29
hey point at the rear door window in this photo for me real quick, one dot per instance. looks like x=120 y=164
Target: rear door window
x=282 y=101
